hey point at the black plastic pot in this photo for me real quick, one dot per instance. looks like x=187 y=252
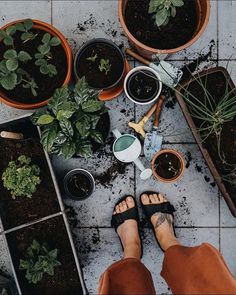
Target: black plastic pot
x=79 y=184
x=98 y=80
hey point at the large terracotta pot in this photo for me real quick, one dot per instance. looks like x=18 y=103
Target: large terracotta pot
x=53 y=31
x=203 y=11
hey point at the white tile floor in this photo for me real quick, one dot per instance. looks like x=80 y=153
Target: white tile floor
x=202 y=215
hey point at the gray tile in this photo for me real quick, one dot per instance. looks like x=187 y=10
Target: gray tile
x=226 y=218
x=195 y=195
x=8 y=113
x=14 y=10
x=227 y=29
x=228 y=247
x=230 y=65
x=81 y=21
x=5 y=265
x=99 y=248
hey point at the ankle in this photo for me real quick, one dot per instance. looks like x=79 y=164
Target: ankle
x=132 y=250
x=167 y=241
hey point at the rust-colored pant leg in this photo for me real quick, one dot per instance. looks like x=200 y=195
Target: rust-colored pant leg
x=128 y=276
x=197 y=270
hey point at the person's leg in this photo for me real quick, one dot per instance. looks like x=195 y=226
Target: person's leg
x=189 y=270
x=129 y=275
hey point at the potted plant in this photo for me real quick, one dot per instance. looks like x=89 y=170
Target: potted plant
x=208 y=101
x=44 y=258
x=101 y=62
x=79 y=184
x=75 y=123
x=26 y=178
x=168 y=165
x=35 y=60
x=162 y=27
x=142 y=85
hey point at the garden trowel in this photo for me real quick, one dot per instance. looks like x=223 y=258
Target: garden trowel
x=153 y=141
x=169 y=74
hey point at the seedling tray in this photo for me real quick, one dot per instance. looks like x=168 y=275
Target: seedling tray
x=46 y=200
x=227 y=190
x=55 y=231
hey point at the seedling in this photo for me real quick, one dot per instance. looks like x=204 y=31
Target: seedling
x=163 y=10
x=92 y=58
x=105 y=66
x=21 y=177
x=69 y=124
x=39 y=261
x=44 y=55
x=25 y=27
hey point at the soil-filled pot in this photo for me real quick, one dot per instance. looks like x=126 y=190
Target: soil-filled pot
x=79 y=184
x=38 y=81
x=168 y=165
x=67 y=276
x=219 y=150
x=142 y=85
x=150 y=40
x=101 y=62
x=46 y=199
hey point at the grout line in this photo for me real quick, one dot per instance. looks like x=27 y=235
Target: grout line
x=51 y=12
x=180 y=227
x=217 y=32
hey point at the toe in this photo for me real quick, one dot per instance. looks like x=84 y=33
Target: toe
x=114 y=213
x=152 y=198
x=121 y=207
x=156 y=198
x=145 y=199
x=161 y=198
x=130 y=202
x=117 y=209
x=124 y=205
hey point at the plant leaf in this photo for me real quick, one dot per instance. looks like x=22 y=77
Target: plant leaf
x=68 y=150
x=83 y=127
x=44 y=49
x=24 y=56
x=45 y=119
x=28 y=24
x=97 y=136
x=40 y=62
x=66 y=128
x=12 y=64
x=55 y=41
x=48 y=137
x=84 y=149
x=8 y=41
x=92 y=106
x=9 y=54
x=177 y=3
x=59 y=97
x=161 y=16
x=11 y=30
x=9 y=81
x=20 y=27
x=46 y=38
x=44 y=69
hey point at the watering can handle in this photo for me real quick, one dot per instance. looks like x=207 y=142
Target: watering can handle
x=158 y=110
x=116 y=133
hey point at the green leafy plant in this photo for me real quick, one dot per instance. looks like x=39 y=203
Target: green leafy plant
x=105 y=66
x=92 y=58
x=39 y=261
x=44 y=55
x=6 y=35
x=21 y=177
x=163 y=10
x=69 y=125
x=25 y=27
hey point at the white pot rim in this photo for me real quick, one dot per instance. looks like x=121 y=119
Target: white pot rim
x=142 y=68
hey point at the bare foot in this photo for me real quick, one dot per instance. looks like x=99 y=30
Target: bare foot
x=128 y=231
x=162 y=222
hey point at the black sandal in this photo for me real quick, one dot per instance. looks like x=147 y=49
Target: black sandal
x=151 y=209
x=119 y=218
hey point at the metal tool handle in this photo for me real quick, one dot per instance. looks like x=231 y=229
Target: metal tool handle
x=138 y=57
x=158 y=110
x=11 y=135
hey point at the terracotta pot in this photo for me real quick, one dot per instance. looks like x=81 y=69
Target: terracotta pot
x=207 y=157
x=182 y=165
x=53 y=31
x=203 y=11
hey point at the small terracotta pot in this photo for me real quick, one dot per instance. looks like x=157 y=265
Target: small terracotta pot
x=203 y=11
x=54 y=32
x=182 y=165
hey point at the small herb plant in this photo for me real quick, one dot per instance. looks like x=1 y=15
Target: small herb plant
x=105 y=66
x=12 y=66
x=21 y=177
x=92 y=58
x=39 y=261
x=163 y=10
x=44 y=55
x=69 y=125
